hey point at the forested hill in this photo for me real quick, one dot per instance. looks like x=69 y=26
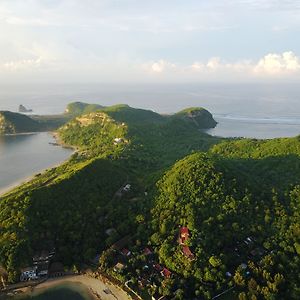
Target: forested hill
x=19 y=123
x=237 y=201
x=11 y=123
x=242 y=210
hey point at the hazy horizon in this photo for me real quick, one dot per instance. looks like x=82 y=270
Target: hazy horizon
x=128 y=41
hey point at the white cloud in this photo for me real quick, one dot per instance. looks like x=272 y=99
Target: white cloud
x=161 y=66
x=270 y=66
x=278 y=64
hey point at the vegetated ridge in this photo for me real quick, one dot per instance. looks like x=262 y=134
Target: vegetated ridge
x=218 y=216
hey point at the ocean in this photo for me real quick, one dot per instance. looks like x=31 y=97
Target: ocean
x=256 y=111
x=244 y=110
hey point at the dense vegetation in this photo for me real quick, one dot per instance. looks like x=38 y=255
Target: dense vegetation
x=11 y=123
x=239 y=199
x=249 y=191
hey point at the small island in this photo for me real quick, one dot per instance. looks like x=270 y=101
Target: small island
x=23 y=109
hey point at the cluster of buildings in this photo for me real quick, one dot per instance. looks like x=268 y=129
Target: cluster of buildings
x=40 y=267
x=183 y=238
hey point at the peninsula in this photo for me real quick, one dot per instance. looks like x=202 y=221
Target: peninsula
x=159 y=206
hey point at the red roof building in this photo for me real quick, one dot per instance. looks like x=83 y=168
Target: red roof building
x=166 y=273
x=147 y=251
x=126 y=252
x=183 y=235
x=157 y=267
x=187 y=252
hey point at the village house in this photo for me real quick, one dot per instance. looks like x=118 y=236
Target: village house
x=147 y=251
x=165 y=273
x=187 y=252
x=119 y=267
x=127 y=188
x=183 y=235
x=28 y=273
x=126 y=252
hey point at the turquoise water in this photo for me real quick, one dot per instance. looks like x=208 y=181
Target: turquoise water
x=65 y=291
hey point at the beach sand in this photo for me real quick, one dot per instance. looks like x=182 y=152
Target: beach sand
x=95 y=286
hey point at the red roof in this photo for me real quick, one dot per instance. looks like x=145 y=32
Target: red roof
x=157 y=267
x=125 y=252
x=147 y=251
x=166 y=273
x=184 y=230
x=187 y=251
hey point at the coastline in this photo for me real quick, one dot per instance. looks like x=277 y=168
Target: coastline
x=25 y=180
x=98 y=289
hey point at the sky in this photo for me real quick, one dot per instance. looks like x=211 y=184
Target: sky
x=149 y=41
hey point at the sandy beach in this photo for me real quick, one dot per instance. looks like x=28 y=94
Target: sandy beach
x=98 y=288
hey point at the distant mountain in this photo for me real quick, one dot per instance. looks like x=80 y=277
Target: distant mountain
x=79 y=108
x=11 y=123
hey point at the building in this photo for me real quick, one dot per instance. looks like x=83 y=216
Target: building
x=183 y=235
x=119 y=267
x=165 y=273
x=187 y=252
x=125 y=252
x=147 y=251
x=28 y=273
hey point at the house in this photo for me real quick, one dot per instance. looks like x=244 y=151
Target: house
x=165 y=273
x=183 y=235
x=147 y=251
x=118 y=140
x=119 y=267
x=157 y=267
x=125 y=252
x=28 y=273
x=42 y=269
x=187 y=252
x=127 y=188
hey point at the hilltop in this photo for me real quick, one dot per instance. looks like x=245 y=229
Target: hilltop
x=211 y=214
x=11 y=123
x=19 y=123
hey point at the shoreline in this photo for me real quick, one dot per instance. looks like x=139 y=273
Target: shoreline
x=27 y=179
x=97 y=289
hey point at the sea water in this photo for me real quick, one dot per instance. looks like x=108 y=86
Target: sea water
x=22 y=156
x=64 y=291
x=252 y=110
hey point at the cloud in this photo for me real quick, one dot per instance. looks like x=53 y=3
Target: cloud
x=278 y=64
x=270 y=66
x=160 y=66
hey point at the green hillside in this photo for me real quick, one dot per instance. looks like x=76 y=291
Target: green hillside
x=239 y=211
x=239 y=200
x=79 y=108
x=11 y=123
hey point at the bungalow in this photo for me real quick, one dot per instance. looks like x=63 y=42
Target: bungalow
x=127 y=188
x=147 y=251
x=187 y=252
x=157 y=267
x=183 y=235
x=165 y=273
x=118 y=140
x=125 y=252
x=119 y=267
